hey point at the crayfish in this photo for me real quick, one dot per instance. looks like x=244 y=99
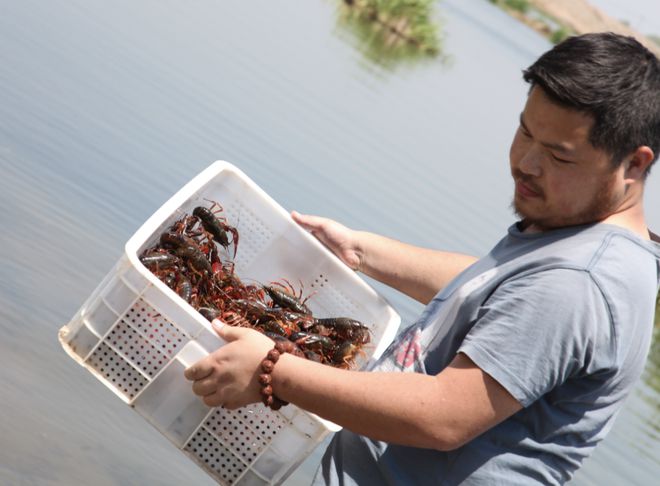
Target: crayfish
x=217 y=227
x=285 y=297
x=187 y=260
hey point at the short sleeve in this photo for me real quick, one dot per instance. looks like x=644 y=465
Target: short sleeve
x=536 y=331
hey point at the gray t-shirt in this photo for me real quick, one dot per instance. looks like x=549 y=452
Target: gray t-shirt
x=562 y=320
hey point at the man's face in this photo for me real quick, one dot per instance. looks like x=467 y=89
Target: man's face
x=560 y=178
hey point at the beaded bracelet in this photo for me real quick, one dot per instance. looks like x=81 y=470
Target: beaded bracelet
x=265 y=380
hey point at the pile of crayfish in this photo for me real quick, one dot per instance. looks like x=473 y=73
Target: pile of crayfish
x=192 y=257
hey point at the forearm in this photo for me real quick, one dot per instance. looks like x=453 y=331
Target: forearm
x=365 y=403
x=437 y=412
x=417 y=272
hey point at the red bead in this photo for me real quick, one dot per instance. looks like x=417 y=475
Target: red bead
x=267 y=366
x=283 y=346
x=265 y=379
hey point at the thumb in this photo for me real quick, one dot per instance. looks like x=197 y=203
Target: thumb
x=225 y=331
x=307 y=221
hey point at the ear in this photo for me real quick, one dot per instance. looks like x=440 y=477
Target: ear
x=637 y=163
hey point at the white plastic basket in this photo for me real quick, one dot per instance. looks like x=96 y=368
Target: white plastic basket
x=137 y=336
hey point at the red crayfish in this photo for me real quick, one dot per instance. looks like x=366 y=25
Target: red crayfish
x=187 y=260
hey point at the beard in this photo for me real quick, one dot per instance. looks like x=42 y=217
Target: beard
x=603 y=204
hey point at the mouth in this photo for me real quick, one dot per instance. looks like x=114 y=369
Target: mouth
x=525 y=190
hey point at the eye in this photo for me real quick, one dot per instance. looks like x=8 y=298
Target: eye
x=561 y=161
x=524 y=131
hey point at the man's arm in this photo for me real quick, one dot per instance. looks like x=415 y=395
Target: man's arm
x=438 y=412
x=419 y=273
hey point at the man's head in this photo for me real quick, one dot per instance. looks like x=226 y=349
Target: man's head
x=589 y=132
x=612 y=78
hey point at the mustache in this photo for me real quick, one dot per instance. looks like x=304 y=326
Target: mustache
x=525 y=179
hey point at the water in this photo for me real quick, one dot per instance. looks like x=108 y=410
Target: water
x=107 y=109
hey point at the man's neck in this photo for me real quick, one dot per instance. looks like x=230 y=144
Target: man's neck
x=631 y=218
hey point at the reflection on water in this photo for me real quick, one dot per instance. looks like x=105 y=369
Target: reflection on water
x=392 y=32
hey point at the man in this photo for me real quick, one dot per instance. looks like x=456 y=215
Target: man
x=521 y=359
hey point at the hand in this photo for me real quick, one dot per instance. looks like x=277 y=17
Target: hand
x=339 y=239
x=228 y=376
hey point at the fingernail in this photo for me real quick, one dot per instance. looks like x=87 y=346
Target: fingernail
x=217 y=323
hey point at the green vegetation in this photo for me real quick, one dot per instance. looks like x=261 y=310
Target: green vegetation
x=654 y=38
x=651 y=374
x=521 y=6
x=392 y=31
x=652 y=371
x=527 y=12
x=560 y=34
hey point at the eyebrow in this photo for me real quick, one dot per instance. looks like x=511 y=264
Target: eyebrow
x=554 y=146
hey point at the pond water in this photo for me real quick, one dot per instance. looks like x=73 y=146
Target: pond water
x=108 y=108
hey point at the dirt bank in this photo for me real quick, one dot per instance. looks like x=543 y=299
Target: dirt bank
x=580 y=17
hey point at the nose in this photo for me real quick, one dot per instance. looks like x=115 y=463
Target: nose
x=530 y=162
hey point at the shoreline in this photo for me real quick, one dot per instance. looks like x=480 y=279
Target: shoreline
x=558 y=19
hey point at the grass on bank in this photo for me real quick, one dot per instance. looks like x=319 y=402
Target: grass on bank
x=390 y=32
x=548 y=26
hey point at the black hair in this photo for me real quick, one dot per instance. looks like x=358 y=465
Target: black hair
x=613 y=78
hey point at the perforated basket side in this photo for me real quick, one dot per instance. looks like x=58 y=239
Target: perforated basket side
x=136 y=348
x=120 y=337
x=238 y=446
